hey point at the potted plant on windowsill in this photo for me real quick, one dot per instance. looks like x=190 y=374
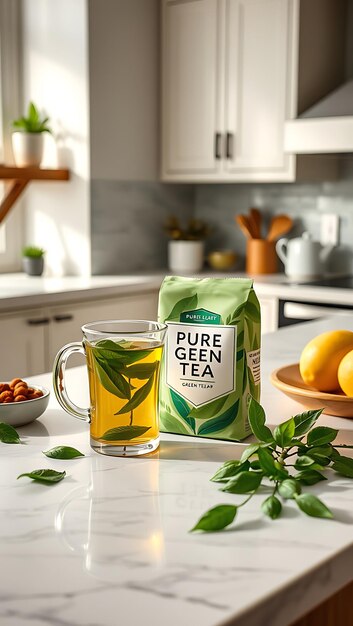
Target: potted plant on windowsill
x=33 y=260
x=186 y=248
x=28 y=138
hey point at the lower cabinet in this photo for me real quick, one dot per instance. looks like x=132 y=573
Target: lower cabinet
x=23 y=344
x=31 y=339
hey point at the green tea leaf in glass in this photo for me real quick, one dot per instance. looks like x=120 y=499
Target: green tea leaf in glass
x=121 y=433
x=139 y=396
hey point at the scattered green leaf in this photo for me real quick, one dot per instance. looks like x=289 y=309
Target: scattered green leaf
x=8 y=434
x=47 y=476
x=217 y=518
x=63 y=452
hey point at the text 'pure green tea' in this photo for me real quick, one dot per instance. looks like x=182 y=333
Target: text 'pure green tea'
x=211 y=364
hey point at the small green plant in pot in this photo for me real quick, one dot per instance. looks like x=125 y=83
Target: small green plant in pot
x=33 y=260
x=186 y=246
x=27 y=138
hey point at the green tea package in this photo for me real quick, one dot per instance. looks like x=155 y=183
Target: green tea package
x=211 y=362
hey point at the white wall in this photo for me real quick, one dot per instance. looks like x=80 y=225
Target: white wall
x=124 y=89
x=55 y=77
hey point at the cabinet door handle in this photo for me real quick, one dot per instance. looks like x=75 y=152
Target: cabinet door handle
x=229 y=145
x=39 y=321
x=217 y=146
x=63 y=318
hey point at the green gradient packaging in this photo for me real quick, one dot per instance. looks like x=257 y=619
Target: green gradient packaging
x=211 y=361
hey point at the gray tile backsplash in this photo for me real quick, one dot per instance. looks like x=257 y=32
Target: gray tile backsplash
x=127 y=223
x=303 y=202
x=127 y=217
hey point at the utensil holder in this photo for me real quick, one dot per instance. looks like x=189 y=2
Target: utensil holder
x=261 y=257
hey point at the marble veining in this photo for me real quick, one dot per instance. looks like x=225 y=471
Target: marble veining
x=111 y=542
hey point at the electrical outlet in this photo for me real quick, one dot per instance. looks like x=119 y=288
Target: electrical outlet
x=329 y=229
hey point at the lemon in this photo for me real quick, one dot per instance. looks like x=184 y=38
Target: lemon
x=321 y=357
x=345 y=374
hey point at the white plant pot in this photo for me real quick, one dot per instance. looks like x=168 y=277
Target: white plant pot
x=27 y=148
x=185 y=256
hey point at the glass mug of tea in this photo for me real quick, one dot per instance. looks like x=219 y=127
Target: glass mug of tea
x=123 y=361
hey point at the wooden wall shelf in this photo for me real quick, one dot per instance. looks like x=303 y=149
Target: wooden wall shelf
x=20 y=177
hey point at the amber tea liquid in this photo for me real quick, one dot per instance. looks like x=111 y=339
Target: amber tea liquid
x=123 y=384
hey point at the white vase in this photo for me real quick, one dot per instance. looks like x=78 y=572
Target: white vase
x=185 y=256
x=27 y=148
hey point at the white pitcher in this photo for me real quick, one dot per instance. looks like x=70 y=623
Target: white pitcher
x=302 y=257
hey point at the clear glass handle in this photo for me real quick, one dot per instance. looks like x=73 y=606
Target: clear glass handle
x=59 y=381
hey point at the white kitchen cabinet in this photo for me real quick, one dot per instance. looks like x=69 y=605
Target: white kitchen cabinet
x=191 y=105
x=23 y=344
x=31 y=339
x=228 y=86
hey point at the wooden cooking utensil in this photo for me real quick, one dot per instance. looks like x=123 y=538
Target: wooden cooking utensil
x=245 y=225
x=280 y=225
x=255 y=219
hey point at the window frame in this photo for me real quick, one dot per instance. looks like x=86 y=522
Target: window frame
x=11 y=230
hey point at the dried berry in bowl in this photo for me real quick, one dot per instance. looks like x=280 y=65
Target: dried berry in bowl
x=18 y=391
x=21 y=402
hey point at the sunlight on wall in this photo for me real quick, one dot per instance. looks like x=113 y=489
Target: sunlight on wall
x=55 y=74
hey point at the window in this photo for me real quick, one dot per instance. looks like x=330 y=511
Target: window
x=11 y=235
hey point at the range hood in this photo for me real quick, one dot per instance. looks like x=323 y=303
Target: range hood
x=327 y=127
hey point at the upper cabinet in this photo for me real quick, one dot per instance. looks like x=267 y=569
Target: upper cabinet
x=227 y=89
x=229 y=83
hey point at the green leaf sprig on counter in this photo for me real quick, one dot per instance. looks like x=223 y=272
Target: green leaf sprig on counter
x=294 y=455
x=8 y=434
x=47 y=476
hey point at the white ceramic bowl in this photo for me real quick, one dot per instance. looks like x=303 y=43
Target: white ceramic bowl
x=21 y=413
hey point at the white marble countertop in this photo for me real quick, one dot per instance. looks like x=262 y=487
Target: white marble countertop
x=110 y=543
x=19 y=291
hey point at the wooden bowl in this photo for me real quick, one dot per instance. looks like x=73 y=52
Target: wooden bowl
x=288 y=380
